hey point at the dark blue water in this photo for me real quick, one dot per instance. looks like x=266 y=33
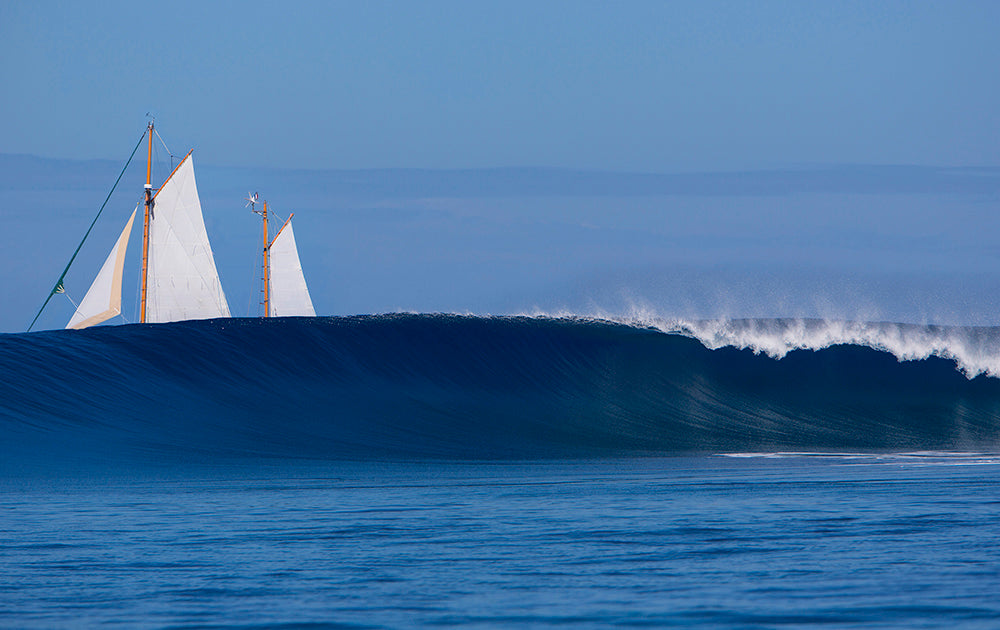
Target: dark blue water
x=439 y=471
x=425 y=386
x=715 y=542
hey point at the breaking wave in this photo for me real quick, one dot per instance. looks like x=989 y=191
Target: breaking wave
x=975 y=351
x=448 y=386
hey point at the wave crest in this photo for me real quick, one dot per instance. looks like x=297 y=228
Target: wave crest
x=975 y=350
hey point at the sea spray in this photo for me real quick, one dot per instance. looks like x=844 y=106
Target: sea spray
x=975 y=350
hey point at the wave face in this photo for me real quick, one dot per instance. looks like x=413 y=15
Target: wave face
x=442 y=386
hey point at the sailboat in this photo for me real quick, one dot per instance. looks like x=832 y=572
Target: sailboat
x=283 y=285
x=179 y=278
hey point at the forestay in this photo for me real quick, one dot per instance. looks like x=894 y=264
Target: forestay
x=182 y=281
x=289 y=295
x=104 y=298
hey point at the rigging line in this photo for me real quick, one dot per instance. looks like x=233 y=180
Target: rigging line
x=163 y=143
x=158 y=159
x=166 y=148
x=75 y=305
x=58 y=288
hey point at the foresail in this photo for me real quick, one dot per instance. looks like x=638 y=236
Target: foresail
x=104 y=298
x=182 y=281
x=289 y=294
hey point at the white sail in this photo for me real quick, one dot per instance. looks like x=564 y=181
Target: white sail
x=104 y=298
x=289 y=295
x=182 y=281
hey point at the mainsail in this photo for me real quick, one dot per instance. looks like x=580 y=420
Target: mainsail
x=289 y=293
x=179 y=280
x=104 y=298
x=182 y=281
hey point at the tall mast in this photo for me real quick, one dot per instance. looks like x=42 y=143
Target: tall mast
x=145 y=221
x=267 y=268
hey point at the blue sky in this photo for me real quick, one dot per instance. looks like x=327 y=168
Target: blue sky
x=697 y=158
x=647 y=86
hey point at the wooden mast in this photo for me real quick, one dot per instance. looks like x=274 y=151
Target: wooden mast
x=267 y=268
x=145 y=222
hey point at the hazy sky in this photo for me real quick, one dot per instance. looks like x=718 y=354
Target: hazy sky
x=647 y=86
x=834 y=120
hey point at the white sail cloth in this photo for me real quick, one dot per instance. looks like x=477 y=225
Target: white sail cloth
x=104 y=298
x=182 y=281
x=289 y=295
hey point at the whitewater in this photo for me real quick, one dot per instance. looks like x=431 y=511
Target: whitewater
x=975 y=350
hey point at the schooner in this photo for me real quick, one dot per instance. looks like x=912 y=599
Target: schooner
x=179 y=280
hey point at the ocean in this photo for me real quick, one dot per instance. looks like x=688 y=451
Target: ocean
x=460 y=471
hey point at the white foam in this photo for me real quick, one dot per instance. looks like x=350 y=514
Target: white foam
x=975 y=350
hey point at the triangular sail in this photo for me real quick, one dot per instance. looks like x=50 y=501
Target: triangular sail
x=104 y=298
x=182 y=281
x=289 y=295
